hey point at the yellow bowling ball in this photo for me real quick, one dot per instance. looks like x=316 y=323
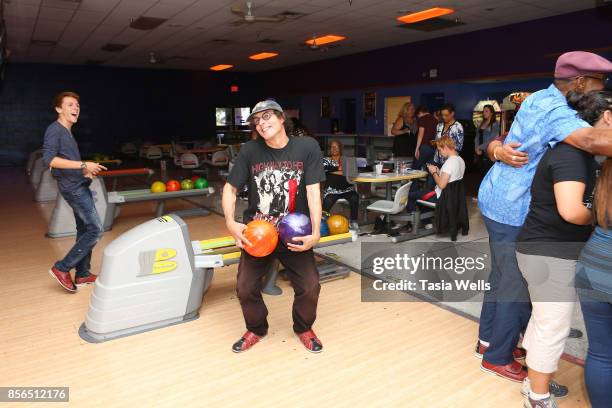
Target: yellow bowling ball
x=338 y=224
x=158 y=187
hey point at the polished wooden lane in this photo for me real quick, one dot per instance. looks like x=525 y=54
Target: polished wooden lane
x=376 y=354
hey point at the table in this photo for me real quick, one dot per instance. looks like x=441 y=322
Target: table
x=389 y=179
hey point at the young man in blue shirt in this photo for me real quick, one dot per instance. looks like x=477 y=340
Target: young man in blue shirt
x=61 y=154
x=544 y=120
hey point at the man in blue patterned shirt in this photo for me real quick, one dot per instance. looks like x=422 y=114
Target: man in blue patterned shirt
x=543 y=120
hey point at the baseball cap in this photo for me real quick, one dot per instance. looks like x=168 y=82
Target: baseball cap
x=265 y=105
x=577 y=63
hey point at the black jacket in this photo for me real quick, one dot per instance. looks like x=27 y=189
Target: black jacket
x=451 y=210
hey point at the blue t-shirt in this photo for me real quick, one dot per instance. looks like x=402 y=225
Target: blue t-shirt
x=59 y=142
x=544 y=120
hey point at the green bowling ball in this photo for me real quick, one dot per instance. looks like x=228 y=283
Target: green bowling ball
x=186 y=184
x=201 y=183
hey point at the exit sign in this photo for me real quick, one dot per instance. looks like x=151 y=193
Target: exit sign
x=234 y=88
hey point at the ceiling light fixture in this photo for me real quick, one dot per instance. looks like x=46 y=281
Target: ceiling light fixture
x=326 y=39
x=263 y=55
x=220 y=67
x=425 y=15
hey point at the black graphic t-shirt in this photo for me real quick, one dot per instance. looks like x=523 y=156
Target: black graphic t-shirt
x=277 y=178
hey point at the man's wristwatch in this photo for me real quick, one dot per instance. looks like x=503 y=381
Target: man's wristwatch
x=83 y=166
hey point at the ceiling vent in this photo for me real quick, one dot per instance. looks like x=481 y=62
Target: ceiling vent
x=112 y=47
x=46 y=43
x=433 y=24
x=270 y=41
x=291 y=15
x=147 y=23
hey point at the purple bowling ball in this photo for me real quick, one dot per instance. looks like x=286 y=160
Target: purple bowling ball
x=294 y=225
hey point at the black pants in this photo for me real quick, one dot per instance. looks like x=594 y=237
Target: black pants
x=426 y=155
x=300 y=269
x=351 y=196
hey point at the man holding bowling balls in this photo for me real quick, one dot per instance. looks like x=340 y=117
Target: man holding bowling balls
x=292 y=167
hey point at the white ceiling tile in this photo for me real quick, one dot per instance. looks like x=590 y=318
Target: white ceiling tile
x=16 y=23
x=164 y=10
x=55 y=14
x=26 y=2
x=179 y=2
x=98 y=5
x=21 y=10
x=39 y=50
x=89 y=17
x=128 y=36
x=60 y=4
x=48 y=30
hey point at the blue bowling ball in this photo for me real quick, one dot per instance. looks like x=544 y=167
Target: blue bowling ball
x=324 y=228
x=294 y=225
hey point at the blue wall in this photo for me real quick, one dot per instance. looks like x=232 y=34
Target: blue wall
x=117 y=105
x=463 y=95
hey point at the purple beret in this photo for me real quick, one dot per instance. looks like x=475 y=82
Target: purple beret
x=577 y=63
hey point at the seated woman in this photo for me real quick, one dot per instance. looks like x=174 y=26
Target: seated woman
x=336 y=185
x=558 y=224
x=453 y=169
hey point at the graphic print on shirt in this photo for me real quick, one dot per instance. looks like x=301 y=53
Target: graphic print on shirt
x=277 y=187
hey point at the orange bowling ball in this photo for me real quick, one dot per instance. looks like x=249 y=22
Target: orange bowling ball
x=263 y=237
x=173 y=185
x=338 y=224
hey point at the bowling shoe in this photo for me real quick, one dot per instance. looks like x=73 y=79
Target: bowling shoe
x=513 y=371
x=248 y=340
x=63 y=278
x=556 y=390
x=86 y=280
x=310 y=340
x=545 y=403
x=518 y=353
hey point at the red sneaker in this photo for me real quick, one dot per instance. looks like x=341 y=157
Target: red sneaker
x=86 y=280
x=248 y=340
x=518 y=353
x=310 y=340
x=63 y=278
x=514 y=371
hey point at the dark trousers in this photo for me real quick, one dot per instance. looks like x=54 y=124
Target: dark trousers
x=300 y=269
x=351 y=196
x=413 y=196
x=506 y=307
x=598 y=366
x=426 y=154
x=89 y=230
x=484 y=165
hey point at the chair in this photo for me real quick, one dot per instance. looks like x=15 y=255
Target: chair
x=218 y=159
x=189 y=161
x=153 y=153
x=396 y=206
